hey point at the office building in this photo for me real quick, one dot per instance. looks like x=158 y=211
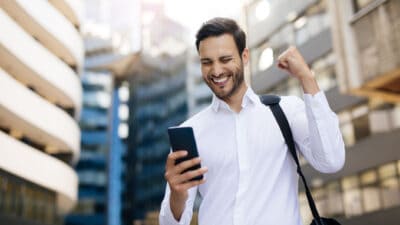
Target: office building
x=41 y=56
x=158 y=100
x=95 y=142
x=351 y=46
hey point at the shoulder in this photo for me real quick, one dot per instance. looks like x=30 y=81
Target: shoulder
x=291 y=104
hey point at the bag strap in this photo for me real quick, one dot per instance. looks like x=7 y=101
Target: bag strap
x=273 y=102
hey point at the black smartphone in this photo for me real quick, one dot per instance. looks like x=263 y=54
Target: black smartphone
x=182 y=138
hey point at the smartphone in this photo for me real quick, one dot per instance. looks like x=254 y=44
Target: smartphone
x=182 y=138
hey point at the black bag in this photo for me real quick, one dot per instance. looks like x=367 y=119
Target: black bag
x=273 y=102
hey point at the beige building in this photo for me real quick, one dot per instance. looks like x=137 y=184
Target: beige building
x=41 y=55
x=367 y=42
x=352 y=46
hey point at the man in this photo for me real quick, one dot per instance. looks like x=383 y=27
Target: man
x=249 y=175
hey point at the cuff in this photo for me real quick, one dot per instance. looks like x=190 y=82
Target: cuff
x=169 y=216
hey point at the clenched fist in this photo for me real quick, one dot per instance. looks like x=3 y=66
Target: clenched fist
x=293 y=62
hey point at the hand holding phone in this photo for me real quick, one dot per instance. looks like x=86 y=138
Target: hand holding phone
x=182 y=138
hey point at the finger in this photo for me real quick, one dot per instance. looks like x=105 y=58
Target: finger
x=185 y=177
x=190 y=184
x=173 y=156
x=282 y=65
x=187 y=164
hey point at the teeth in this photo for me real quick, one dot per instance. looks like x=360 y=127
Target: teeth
x=220 y=80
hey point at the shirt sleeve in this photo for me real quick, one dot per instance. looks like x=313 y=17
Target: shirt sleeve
x=316 y=132
x=167 y=218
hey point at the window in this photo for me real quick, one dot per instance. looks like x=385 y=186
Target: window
x=389 y=184
x=85 y=206
x=359 y=4
x=27 y=201
x=370 y=191
x=266 y=59
x=309 y=26
x=334 y=197
x=346 y=127
x=324 y=69
x=352 y=196
x=321 y=201
x=305 y=209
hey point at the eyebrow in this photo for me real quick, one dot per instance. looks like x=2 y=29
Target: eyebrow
x=221 y=57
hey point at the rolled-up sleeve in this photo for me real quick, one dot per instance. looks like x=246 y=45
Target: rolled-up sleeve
x=316 y=132
x=167 y=218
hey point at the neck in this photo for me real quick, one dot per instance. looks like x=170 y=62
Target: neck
x=235 y=101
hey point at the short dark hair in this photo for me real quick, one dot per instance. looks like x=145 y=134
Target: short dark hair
x=219 y=26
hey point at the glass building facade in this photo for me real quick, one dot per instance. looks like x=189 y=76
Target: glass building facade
x=158 y=100
x=95 y=144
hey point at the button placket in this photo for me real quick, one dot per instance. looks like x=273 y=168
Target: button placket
x=240 y=128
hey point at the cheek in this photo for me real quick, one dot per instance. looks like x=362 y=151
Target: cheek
x=204 y=73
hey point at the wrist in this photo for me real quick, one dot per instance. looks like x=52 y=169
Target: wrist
x=178 y=197
x=307 y=76
x=177 y=204
x=309 y=84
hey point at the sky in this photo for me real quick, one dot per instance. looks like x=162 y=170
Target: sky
x=192 y=13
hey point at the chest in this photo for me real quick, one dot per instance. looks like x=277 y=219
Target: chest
x=250 y=137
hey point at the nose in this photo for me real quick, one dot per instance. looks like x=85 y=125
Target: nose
x=217 y=70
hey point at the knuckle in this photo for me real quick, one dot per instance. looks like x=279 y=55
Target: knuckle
x=180 y=166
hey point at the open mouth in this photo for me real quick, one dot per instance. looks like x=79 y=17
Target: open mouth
x=221 y=81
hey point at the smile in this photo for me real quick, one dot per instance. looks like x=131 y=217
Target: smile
x=220 y=81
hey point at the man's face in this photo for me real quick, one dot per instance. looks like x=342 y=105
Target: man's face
x=221 y=65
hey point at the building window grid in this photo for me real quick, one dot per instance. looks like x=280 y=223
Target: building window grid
x=331 y=197
x=19 y=198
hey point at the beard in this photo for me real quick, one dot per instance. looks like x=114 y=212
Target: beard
x=237 y=77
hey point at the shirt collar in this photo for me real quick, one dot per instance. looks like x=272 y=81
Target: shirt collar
x=249 y=98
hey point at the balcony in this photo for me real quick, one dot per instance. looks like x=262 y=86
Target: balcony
x=368 y=44
x=41 y=169
x=72 y=9
x=362 y=156
x=379 y=57
x=40 y=69
x=279 y=15
x=28 y=115
x=53 y=30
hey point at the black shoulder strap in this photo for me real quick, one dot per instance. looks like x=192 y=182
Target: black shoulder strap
x=273 y=102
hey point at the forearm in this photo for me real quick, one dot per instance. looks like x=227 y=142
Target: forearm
x=177 y=204
x=326 y=142
x=309 y=84
x=176 y=211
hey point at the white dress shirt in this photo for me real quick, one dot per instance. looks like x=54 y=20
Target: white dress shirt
x=252 y=178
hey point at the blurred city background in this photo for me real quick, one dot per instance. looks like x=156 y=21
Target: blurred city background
x=89 y=87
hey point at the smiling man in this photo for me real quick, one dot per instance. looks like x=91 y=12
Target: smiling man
x=249 y=175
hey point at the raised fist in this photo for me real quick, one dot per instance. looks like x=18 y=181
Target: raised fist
x=293 y=62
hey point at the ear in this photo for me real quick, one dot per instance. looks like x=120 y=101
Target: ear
x=245 y=56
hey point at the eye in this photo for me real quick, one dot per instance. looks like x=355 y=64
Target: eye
x=205 y=63
x=226 y=60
